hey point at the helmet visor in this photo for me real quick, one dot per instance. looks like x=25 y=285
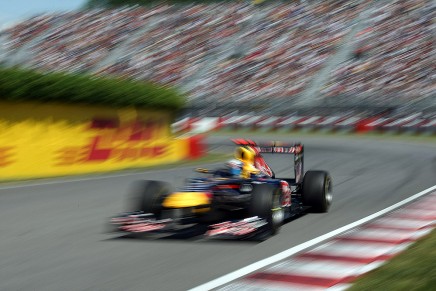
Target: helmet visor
x=235 y=171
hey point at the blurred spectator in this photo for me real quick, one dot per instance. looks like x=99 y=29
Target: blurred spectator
x=27 y=30
x=239 y=51
x=393 y=58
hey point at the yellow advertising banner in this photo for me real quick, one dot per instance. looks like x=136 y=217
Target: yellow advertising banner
x=43 y=140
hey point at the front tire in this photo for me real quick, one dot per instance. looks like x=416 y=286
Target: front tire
x=317 y=186
x=265 y=203
x=149 y=196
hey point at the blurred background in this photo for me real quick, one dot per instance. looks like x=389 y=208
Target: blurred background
x=241 y=57
x=302 y=63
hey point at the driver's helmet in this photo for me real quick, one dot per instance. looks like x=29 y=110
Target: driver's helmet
x=235 y=167
x=247 y=156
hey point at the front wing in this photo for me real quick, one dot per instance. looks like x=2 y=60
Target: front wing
x=139 y=222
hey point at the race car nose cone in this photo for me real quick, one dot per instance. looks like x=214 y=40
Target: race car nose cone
x=186 y=199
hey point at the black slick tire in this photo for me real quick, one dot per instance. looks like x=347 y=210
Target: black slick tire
x=317 y=186
x=149 y=196
x=265 y=203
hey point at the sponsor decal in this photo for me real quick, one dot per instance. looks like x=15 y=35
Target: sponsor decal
x=133 y=223
x=129 y=142
x=286 y=192
x=6 y=156
x=262 y=166
x=238 y=228
x=79 y=140
x=142 y=227
x=280 y=149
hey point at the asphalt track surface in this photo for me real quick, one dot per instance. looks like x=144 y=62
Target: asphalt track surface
x=52 y=233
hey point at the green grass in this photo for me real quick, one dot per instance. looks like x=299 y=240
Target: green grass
x=415 y=269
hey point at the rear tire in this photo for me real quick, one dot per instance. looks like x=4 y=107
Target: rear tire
x=265 y=203
x=317 y=188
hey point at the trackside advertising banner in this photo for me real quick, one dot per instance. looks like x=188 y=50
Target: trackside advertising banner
x=42 y=140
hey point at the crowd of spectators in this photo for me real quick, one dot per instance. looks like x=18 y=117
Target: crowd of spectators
x=281 y=50
x=20 y=34
x=179 y=43
x=238 y=51
x=85 y=38
x=231 y=51
x=393 y=55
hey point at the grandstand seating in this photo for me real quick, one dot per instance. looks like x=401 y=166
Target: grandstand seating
x=393 y=56
x=239 y=51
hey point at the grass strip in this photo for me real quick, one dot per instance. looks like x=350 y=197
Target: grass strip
x=414 y=269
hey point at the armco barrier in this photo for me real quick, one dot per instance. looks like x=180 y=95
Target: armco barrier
x=43 y=140
x=413 y=124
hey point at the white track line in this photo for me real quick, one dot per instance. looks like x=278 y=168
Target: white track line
x=291 y=251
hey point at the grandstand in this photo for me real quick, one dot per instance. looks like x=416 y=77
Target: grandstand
x=392 y=56
x=232 y=55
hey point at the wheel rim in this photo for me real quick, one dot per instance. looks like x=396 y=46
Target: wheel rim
x=328 y=194
x=277 y=214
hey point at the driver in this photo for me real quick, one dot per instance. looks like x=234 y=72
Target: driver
x=246 y=156
x=235 y=167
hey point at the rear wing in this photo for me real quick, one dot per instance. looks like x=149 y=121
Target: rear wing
x=272 y=147
x=277 y=147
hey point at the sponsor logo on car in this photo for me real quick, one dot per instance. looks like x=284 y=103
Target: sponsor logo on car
x=237 y=228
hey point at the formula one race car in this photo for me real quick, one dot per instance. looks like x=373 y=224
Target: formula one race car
x=242 y=200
